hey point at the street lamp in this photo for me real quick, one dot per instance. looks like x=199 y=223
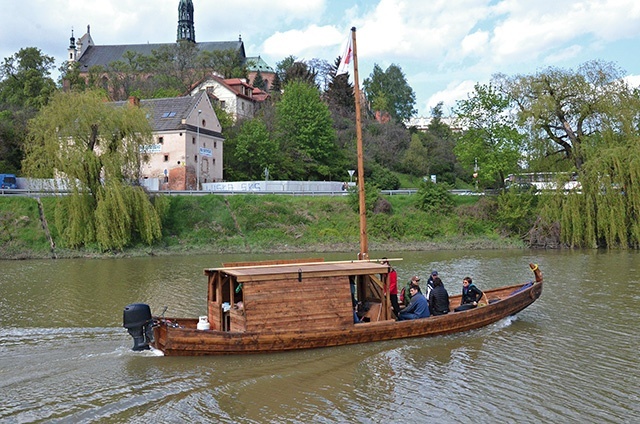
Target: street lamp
x=197 y=151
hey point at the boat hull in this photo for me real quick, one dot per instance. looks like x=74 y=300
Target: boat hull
x=180 y=337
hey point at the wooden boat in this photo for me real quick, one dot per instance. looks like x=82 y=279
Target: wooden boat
x=300 y=304
x=272 y=307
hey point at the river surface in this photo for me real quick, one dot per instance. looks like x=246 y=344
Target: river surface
x=571 y=357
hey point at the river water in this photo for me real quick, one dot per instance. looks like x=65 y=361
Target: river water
x=572 y=356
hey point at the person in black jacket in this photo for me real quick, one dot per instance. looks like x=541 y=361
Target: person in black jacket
x=438 y=298
x=470 y=293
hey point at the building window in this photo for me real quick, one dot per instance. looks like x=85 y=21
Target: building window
x=222 y=103
x=213 y=161
x=160 y=140
x=166 y=158
x=204 y=123
x=215 y=144
x=193 y=140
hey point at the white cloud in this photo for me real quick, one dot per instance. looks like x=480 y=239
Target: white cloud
x=302 y=42
x=475 y=44
x=457 y=90
x=439 y=44
x=633 y=80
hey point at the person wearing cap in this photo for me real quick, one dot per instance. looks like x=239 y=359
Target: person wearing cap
x=438 y=298
x=433 y=275
x=418 y=307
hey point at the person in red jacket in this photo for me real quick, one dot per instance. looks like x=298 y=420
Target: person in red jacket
x=393 y=287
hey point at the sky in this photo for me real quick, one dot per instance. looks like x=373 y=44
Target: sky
x=444 y=47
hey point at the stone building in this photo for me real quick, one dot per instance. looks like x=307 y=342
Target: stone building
x=188 y=146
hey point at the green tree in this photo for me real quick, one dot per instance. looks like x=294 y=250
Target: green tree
x=607 y=211
x=414 y=160
x=228 y=63
x=385 y=143
x=259 y=82
x=440 y=142
x=283 y=66
x=490 y=137
x=300 y=71
x=566 y=107
x=95 y=148
x=339 y=93
x=305 y=132
x=255 y=149
x=70 y=78
x=25 y=80
x=25 y=87
x=10 y=142
x=388 y=91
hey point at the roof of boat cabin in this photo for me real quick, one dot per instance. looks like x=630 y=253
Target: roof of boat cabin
x=307 y=270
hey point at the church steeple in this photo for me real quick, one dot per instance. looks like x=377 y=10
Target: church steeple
x=186 y=30
x=73 y=50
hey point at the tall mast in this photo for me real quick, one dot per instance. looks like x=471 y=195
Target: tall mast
x=364 y=244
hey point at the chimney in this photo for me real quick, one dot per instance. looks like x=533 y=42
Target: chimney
x=134 y=101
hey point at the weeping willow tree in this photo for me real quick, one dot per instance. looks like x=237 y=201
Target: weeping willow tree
x=606 y=211
x=94 y=148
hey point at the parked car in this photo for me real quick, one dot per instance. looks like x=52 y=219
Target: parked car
x=8 y=181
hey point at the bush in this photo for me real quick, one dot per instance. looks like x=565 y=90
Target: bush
x=371 y=195
x=434 y=198
x=382 y=177
x=516 y=211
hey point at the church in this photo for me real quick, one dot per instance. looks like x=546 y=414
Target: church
x=187 y=150
x=87 y=54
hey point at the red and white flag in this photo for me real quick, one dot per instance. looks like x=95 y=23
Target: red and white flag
x=347 y=57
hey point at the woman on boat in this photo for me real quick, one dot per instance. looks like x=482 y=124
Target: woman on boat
x=438 y=298
x=418 y=308
x=470 y=293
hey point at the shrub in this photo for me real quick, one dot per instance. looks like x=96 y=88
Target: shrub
x=434 y=198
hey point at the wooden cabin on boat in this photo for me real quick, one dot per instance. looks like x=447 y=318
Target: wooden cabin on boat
x=289 y=295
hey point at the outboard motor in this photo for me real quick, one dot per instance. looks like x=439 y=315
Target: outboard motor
x=136 y=318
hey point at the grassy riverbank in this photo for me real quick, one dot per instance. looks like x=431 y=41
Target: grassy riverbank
x=253 y=223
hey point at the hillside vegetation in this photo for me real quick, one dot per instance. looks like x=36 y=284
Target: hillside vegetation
x=255 y=223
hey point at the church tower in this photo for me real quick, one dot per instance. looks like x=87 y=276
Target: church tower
x=72 y=48
x=186 y=30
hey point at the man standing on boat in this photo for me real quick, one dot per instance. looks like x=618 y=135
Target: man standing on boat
x=418 y=308
x=393 y=287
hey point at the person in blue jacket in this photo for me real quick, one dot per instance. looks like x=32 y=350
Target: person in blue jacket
x=418 y=307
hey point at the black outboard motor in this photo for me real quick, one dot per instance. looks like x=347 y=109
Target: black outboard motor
x=136 y=318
